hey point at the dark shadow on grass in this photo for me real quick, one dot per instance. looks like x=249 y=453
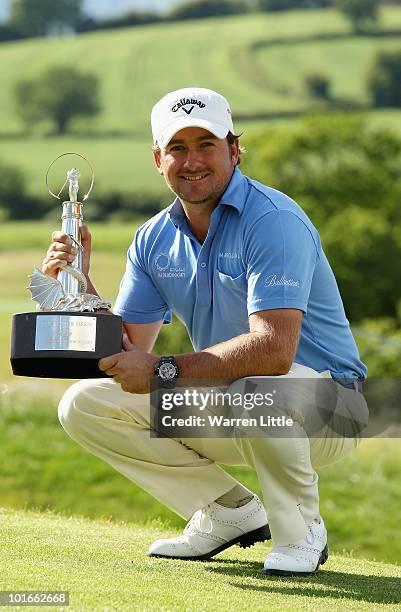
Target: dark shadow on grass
x=334 y=105
x=268 y=115
x=324 y=37
x=327 y=583
x=129 y=134
x=14 y=135
x=111 y=134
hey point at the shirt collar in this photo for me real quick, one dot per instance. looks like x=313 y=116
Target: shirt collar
x=176 y=213
x=234 y=196
x=236 y=192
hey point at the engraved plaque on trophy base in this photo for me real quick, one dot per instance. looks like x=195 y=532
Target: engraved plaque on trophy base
x=63 y=344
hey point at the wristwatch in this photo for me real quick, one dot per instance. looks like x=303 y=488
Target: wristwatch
x=167 y=371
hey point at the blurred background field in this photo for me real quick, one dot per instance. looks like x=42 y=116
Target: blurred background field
x=258 y=61
x=298 y=84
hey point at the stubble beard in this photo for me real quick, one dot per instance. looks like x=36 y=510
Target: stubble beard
x=212 y=196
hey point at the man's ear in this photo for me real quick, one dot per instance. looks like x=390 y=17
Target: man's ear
x=235 y=152
x=156 y=157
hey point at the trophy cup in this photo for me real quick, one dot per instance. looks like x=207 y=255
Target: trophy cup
x=71 y=329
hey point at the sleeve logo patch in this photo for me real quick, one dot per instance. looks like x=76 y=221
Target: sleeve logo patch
x=274 y=281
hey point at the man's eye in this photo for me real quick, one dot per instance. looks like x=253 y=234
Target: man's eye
x=176 y=148
x=208 y=144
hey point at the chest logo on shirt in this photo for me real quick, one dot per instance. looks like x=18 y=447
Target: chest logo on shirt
x=162 y=262
x=164 y=268
x=274 y=281
x=229 y=255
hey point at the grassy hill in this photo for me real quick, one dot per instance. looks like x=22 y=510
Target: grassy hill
x=257 y=61
x=104 y=567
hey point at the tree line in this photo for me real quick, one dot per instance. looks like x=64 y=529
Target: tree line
x=43 y=17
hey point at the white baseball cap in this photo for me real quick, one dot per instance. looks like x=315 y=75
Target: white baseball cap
x=190 y=107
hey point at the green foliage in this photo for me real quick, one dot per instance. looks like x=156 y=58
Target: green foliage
x=12 y=187
x=348 y=179
x=114 y=207
x=60 y=94
x=7 y=32
x=364 y=249
x=173 y=340
x=384 y=79
x=38 y=17
x=318 y=85
x=131 y=19
x=15 y=202
x=363 y=14
x=200 y=9
x=379 y=344
x=119 y=207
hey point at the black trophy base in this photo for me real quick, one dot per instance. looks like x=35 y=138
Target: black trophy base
x=63 y=344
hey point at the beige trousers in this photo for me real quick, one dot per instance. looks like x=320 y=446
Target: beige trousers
x=185 y=475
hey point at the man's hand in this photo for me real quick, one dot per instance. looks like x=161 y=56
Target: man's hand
x=62 y=251
x=132 y=368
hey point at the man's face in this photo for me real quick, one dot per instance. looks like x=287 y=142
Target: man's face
x=196 y=165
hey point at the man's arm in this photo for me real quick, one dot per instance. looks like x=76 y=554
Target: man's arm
x=143 y=335
x=268 y=349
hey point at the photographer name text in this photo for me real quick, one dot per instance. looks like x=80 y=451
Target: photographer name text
x=220 y=421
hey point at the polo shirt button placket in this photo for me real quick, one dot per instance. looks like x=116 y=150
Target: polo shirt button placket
x=204 y=296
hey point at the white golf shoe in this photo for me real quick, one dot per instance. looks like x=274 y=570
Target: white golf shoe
x=302 y=558
x=215 y=528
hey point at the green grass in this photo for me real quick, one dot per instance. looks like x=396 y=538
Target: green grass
x=138 y=65
x=22 y=236
x=43 y=468
x=104 y=567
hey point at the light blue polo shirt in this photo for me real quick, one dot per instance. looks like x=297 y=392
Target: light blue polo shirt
x=261 y=252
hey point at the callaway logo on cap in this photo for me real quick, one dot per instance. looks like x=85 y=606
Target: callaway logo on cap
x=190 y=107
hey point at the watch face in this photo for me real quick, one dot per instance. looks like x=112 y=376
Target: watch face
x=167 y=371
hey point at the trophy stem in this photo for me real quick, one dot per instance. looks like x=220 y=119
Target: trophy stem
x=71 y=224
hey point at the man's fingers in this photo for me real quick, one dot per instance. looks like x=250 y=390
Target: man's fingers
x=61 y=252
x=52 y=265
x=59 y=255
x=109 y=362
x=62 y=246
x=85 y=234
x=55 y=256
x=112 y=371
x=61 y=237
x=127 y=344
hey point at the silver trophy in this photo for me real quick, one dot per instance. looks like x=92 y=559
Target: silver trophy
x=68 y=291
x=72 y=329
